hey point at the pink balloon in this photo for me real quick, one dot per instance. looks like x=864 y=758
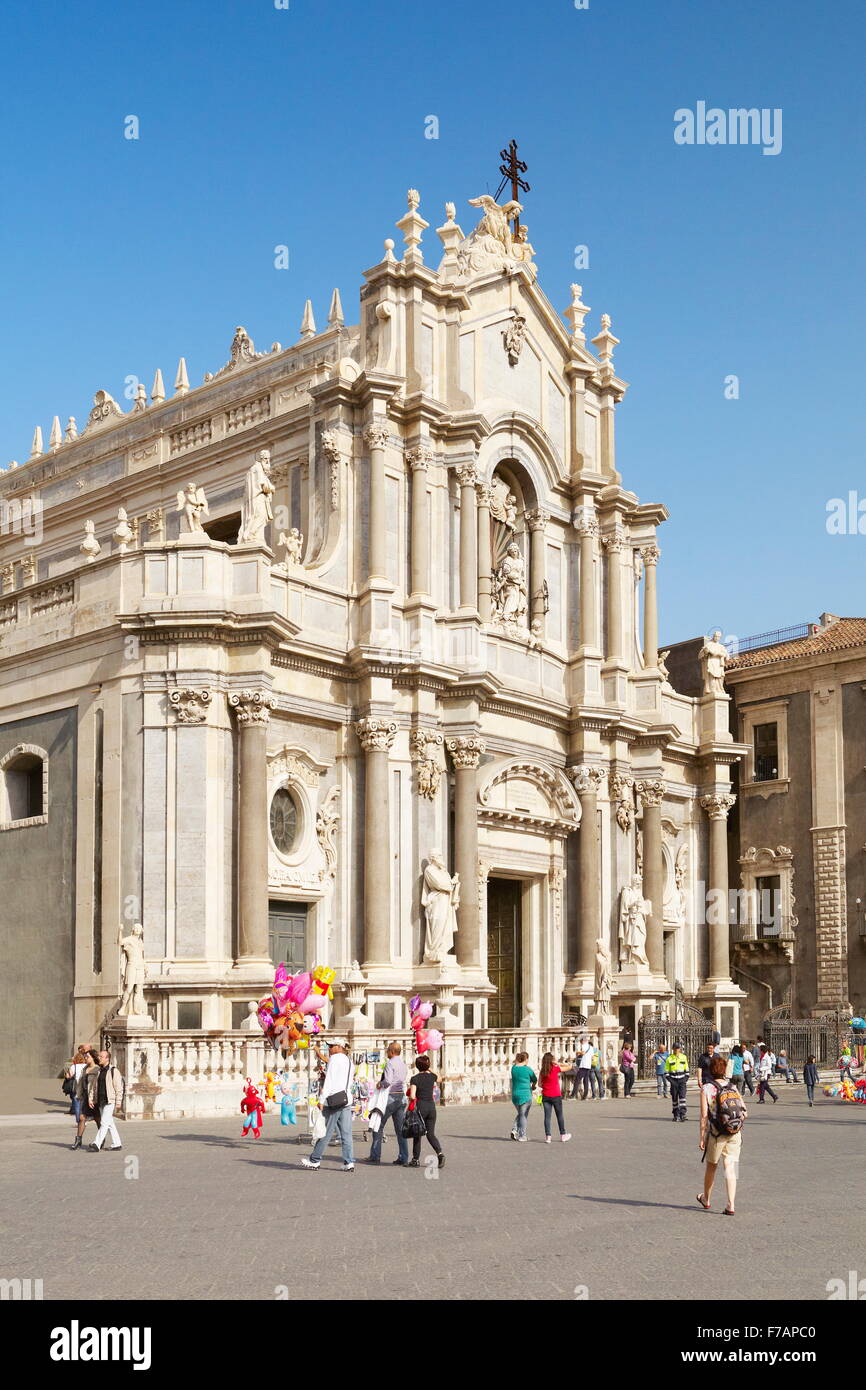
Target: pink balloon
x=300 y=988
x=313 y=1004
x=416 y=1022
x=424 y=1011
x=435 y=1039
x=422 y=1041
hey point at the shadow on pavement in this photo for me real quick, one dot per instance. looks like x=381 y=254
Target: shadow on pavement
x=632 y=1202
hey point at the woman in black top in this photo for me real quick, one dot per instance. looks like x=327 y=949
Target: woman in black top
x=421 y=1091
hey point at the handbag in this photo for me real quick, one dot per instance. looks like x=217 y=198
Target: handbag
x=413 y=1125
x=69 y=1086
x=338 y=1100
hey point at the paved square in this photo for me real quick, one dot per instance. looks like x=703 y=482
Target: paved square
x=211 y=1215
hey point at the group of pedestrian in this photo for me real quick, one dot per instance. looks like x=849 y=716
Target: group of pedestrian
x=95 y=1089
x=523 y=1085
x=397 y=1094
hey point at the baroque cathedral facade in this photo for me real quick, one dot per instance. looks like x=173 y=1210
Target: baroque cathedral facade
x=272 y=646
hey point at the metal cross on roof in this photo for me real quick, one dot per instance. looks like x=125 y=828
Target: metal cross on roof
x=511 y=168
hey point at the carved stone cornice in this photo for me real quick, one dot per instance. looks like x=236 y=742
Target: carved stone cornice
x=190 y=706
x=376 y=735
x=586 y=778
x=376 y=435
x=717 y=806
x=420 y=457
x=537 y=520
x=650 y=792
x=251 y=706
x=650 y=554
x=466 y=752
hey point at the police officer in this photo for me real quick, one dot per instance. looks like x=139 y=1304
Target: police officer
x=677 y=1071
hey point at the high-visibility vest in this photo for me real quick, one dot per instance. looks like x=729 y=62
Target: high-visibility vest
x=676 y=1064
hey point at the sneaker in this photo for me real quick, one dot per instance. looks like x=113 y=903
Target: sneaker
x=309 y=1163
x=115 y=1147
x=93 y=1148
x=347 y=1167
x=547 y=1138
x=514 y=1134
x=521 y=1138
x=414 y=1163
x=399 y=1163
x=565 y=1138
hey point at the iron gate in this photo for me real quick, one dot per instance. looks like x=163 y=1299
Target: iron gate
x=684 y=1024
x=822 y=1038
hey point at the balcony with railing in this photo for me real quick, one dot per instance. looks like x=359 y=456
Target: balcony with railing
x=763 y=936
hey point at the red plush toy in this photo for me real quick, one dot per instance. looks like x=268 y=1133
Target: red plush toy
x=253 y=1107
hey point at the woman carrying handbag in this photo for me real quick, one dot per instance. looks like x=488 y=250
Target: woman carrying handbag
x=421 y=1117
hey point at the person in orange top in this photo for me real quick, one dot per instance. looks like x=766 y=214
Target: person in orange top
x=551 y=1095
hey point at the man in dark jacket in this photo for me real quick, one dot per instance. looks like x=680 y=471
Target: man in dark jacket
x=104 y=1094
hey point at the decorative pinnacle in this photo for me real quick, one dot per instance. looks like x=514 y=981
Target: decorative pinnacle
x=157 y=391
x=308 y=323
x=576 y=313
x=335 y=313
x=181 y=381
x=36 y=448
x=56 y=436
x=605 y=342
x=412 y=225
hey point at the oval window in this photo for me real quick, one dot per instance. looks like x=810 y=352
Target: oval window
x=284 y=820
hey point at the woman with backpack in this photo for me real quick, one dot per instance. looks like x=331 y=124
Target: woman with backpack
x=722 y=1114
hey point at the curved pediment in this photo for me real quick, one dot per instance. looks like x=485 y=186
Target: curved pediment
x=531 y=794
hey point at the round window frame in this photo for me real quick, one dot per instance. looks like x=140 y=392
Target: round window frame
x=295 y=853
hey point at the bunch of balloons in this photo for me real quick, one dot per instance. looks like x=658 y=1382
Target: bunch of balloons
x=426 y=1039
x=292 y=1012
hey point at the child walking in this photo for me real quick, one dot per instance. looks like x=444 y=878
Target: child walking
x=551 y=1096
x=523 y=1083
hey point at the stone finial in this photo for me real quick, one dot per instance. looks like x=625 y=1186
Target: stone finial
x=605 y=342
x=123 y=532
x=389 y=250
x=335 y=313
x=36 y=449
x=181 y=381
x=71 y=429
x=450 y=212
x=56 y=437
x=576 y=313
x=412 y=225
x=157 y=393
x=308 y=323
x=90 y=546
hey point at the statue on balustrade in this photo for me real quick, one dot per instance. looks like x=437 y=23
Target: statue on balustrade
x=257 y=510
x=713 y=655
x=133 y=973
x=603 y=978
x=192 y=505
x=440 y=898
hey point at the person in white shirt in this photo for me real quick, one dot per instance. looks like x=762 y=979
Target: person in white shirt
x=749 y=1070
x=765 y=1073
x=336 y=1098
x=583 y=1074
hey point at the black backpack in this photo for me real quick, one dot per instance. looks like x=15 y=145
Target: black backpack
x=728 y=1115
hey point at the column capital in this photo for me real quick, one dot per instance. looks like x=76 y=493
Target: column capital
x=537 y=520
x=717 y=806
x=377 y=434
x=650 y=792
x=650 y=554
x=587 y=778
x=419 y=457
x=251 y=706
x=466 y=752
x=585 y=521
x=467 y=474
x=376 y=735
x=614 y=541
x=190 y=706
x=485 y=494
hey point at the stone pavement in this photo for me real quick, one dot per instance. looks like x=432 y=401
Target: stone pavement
x=210 y=1215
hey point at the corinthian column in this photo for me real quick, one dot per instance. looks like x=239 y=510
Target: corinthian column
x=717 y=808
x=485 y=559
x=419 y=460
x=252 y=710
x=376 y=437
x=376 y=737
x=650 y=555
x=586 y=525
x=466 y=754
x=587 y=781
x=614 y=544
x=651 y=794
x=468 y=479
x=537 y=521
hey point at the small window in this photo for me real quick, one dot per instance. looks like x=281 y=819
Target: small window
x=188 y=1013
x=24 y=787
x=240 y=1013
x=383 y=1017
x=469 y=1016
x=766 y=752
x=769 y=891
x=284 y=820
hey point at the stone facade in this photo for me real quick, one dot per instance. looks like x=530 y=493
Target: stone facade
x=443 y=636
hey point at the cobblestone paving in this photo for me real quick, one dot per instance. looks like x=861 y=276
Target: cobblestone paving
x=211 y=1215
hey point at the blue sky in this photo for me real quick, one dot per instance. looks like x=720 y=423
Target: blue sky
x=305 y=126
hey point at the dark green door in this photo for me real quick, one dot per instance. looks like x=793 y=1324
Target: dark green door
x=287 y=935
x=503 y=952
